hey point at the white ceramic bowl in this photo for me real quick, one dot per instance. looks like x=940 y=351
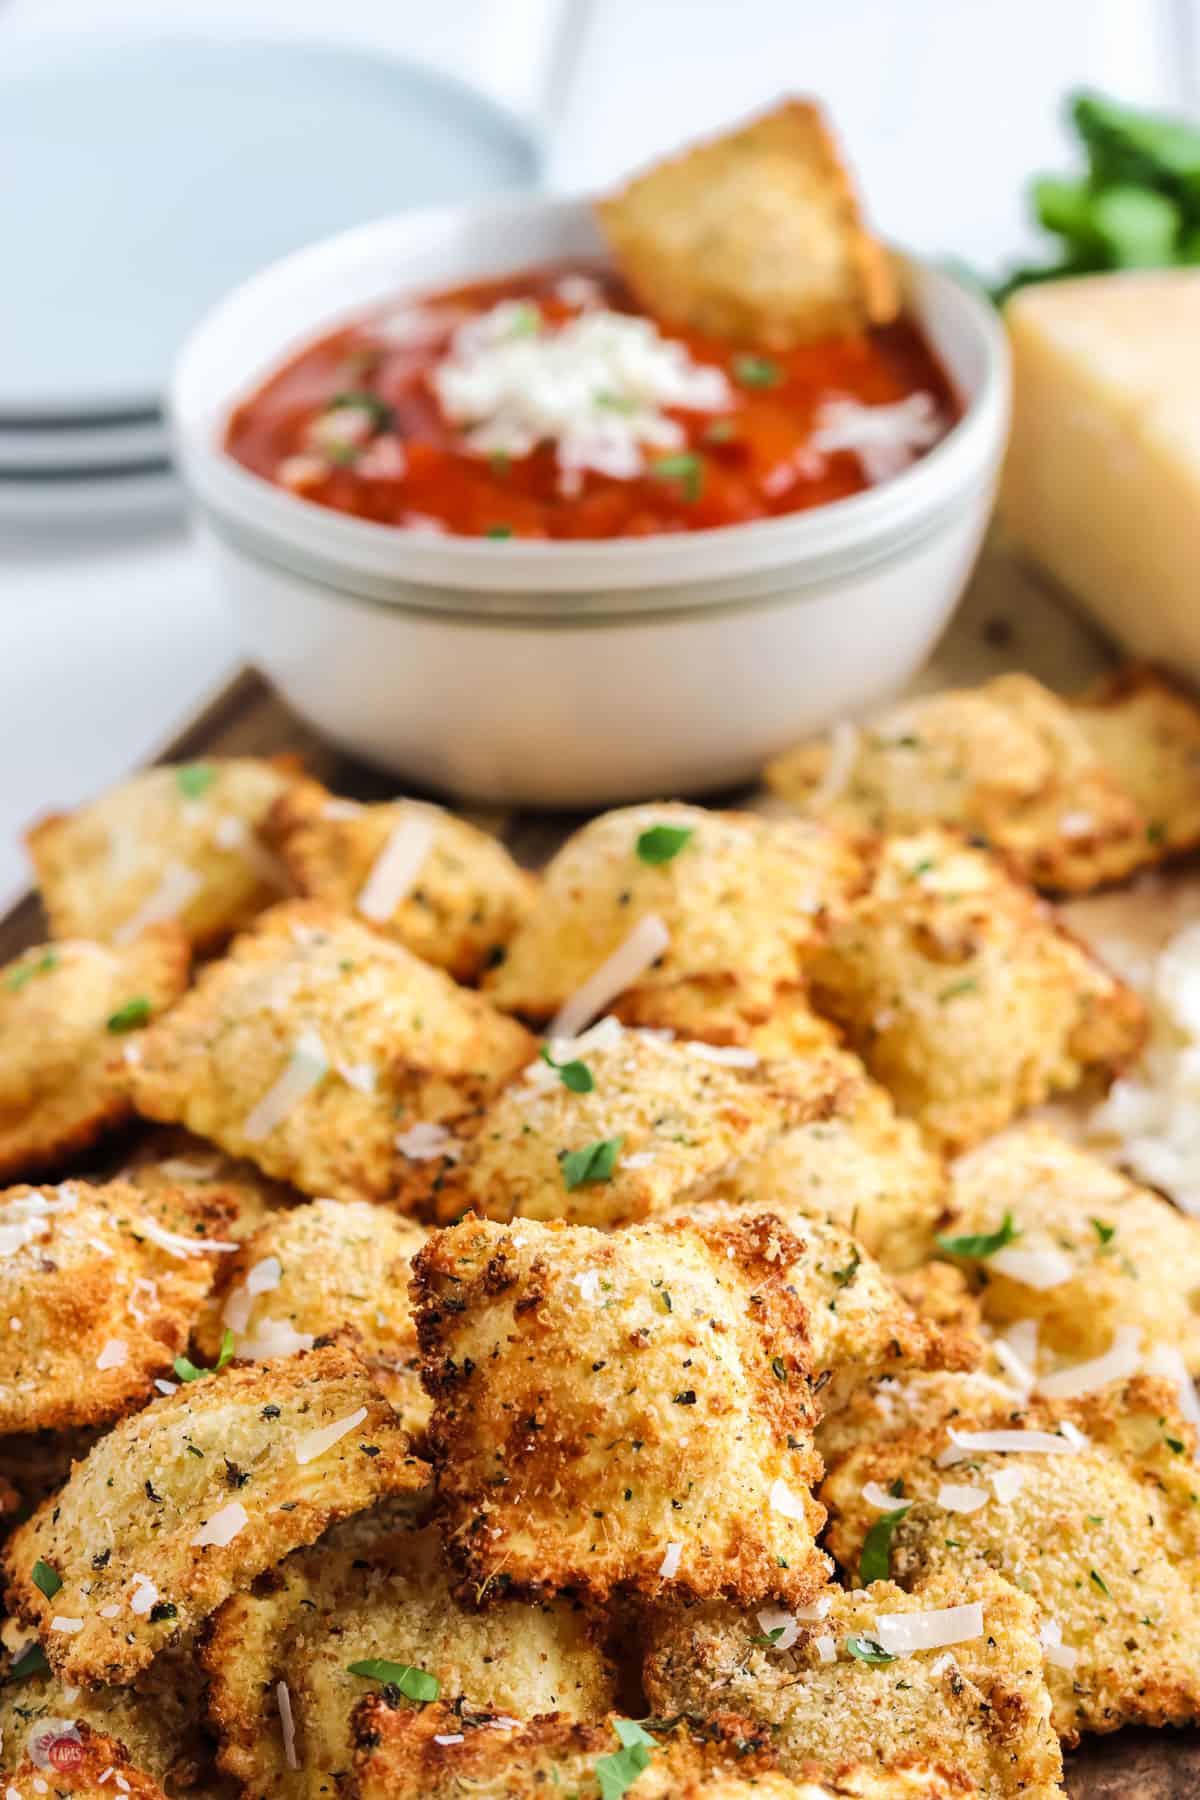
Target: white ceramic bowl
x=572 y=674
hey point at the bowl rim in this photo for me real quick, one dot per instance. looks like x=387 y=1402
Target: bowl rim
x=385 y=563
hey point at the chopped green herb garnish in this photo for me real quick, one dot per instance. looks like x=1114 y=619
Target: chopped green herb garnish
x=875 y=1562
x=968 y=986
x=499 y=531
x=866 y=1650
x=779 y=1368
x=574 y=1075
x=984 y=1243
x=24 y=973
x=843 y=1277
x=1104 y=1232
x=1099 y=1581
x=188 y=1371
x=721 y=431
x=32 y=1661
x=130 y=1016
x=594 y=1162
x=413 y=1683
x=756 y=372
x=686 y=468
x=45 y=1579
x=193 y=778
x=381 y=413
x=662 y=843
x=616 y=1773
x=498 y=461
x=769 y=1639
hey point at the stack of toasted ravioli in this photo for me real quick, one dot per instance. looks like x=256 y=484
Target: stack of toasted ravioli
x=611 y=1332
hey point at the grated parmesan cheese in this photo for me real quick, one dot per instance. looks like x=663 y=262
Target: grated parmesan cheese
x=113 y=1354
x=605 y=1035
x=775 y=1618
x=1007 y=1484
x=177 y=1245
x=59 y=1623
x=424 y=1141
x=668 y=1568
x=178 y=886
x=1122 y=1359
x=274 y=1337
x=223 y=1526
x=306 y=1068
x=885 y=439
x=396 y=868
x=287 y=1724
x=903 y=1634
x=782 y=1500
x=843 y=754
x=644 y=945
x=826 y=1649
x=1037 y=1269
x=1008 y=1443
x=1168 y=1362
x=730 y=1056
x=1054 y=1650
x=315 y=1443
x=144 y=1594
x=961 y=1497
x=875 y=1494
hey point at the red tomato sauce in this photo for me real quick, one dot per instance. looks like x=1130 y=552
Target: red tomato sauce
x=411 y=468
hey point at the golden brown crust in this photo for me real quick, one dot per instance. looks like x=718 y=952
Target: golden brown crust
x=95 y=1306
x=219 y=1460
x=980 y=1709
x=745 y=900
x=1103 y=1538
x=962 y=992
x=171 y=843
x=168 y=1157
x=755 y=235
x=67 y=1011
x=73 y=1762
x=324 y=1608
x=628 y=1410
x=683 y=1112
x=1123 y=1257
x=389 y=1042
x=462 y=907
x=314 y=1270
x=1147 y=730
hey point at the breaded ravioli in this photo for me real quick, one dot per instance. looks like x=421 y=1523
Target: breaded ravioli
x=440 y=886
x=325 y=1054
x=755 y=235
x=629 y=1410
x=73 y=1761
x=313 y=1270
x=922 y=1400
x=167 y=1157
x=99 y=1290
x=963 y=995
x=436 y=1755
x=1096 y=1521
x=726 y=908
x=66 y=1013
x=833 y=1693
x=190 y=1499
x=1008 y=763
x=1052 y=1234
x=856 y=1165
x=677 y=1113
x=1148 y=733
x=177 y=844
x=303 y=1627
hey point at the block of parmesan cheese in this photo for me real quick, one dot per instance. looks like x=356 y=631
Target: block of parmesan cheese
x=1102 y=480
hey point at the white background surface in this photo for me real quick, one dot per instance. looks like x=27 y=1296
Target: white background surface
x=947 y=106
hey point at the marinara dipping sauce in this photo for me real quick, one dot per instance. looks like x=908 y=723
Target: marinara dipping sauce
x=544 y=405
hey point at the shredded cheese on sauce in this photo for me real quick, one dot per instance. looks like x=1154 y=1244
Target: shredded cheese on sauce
x=396 y=868
x=644 y=945
x=885 y=439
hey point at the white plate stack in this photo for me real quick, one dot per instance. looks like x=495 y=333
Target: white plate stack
x=84 y=465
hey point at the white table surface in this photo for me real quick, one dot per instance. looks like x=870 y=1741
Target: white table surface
x=108 y=646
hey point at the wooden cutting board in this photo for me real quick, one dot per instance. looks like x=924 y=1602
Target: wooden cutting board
x=1009 y=619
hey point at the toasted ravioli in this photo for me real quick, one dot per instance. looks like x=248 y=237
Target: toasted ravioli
x=322 y=1610
x=1007 y=762
x=963 y=995
x=99 y=1289
x=313 y=1270
x=316 y=1046
x=1085 y=1253
x=1148 y=733
x=192 y=1498
x=72 y=1761
x=443 y=888
x=680 y=1113
x=170 y=1158
x=918 y=1401
x=856 y=1165
x=979 y=1707
x=176 y=844
x=66 y=1013
x=1103 y=1537
x=627 y=1410
x=755 y=235
x=742 y=900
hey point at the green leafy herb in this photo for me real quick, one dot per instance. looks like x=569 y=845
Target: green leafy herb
x=769 y=1639
x=32 y=1661
x=193 y=778
x=24 y=973
x=498 y=461
x=595 y=1162
x=574 y=1075
x=843 y=1277
x=779 y=1368
x=984 y=1243
x=1105 y=1233
x=1099 y=1581
x=130 y=1016
x=686 y=468
x=499 y=531
x=381 y=413
x=188 y=1371
x=45 y=1579
x=413 y=1683
x=617 y=1772
x=662 y=843
x=756 y=371
x=721 y=431
x=875 y=1562
x=866 y=1650
x=525 y=321
x=967 y=986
